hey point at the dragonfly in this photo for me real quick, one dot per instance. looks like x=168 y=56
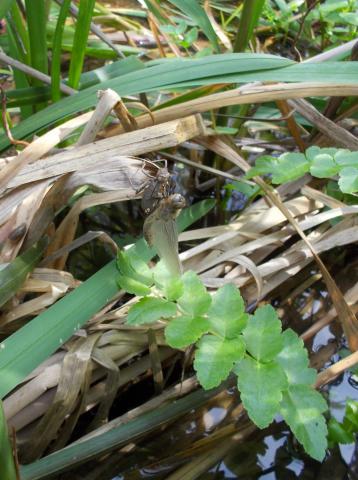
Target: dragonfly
x=159 y=186
x=161 y=233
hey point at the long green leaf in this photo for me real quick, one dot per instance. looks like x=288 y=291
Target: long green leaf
x=80 y=41
x=13 y=275
x=31 y=95
x=158 y=75
x=79 y=453
x=56 y=51
x=196 y=13
x=16 y=20
x=36 y=24
x=18 y=48
x=7 y=464
x=32 y=344
x=249 y=17
x=233 y=68
x=330 y=72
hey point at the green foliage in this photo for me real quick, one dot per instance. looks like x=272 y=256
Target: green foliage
x=263 y=334
x=285 y=168
x=4 y=7
x=169 y=73
x=272 y=369
x=181 y=34
x=261 y=386
x=196 y=13
x=249 y=18
x=7 y=464
x=184 y=330
x=227 y=315
x=80 y=41
x=136 y=277
x=215 y=358
x=57 y=50
x=293 y=358
x=319 y=162
x=171 y=286
x=23 y=351
x=14 y=274
x=36 y=17
x=195 y=300
x=345 y=431
x=302 y=409
x=149 y=310
x=348 y=181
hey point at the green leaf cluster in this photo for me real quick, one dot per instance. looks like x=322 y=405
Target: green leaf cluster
x=272 y=370
x=182 y=35
x=344 y=432
x=319 y=162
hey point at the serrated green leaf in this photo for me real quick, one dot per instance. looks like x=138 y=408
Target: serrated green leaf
x=290 y=167
x=261 y=386
x=351 y=416
x=227 y=315
x=132 y=286
x=183 y=331
x=338 y=434
x=195 y=300
x=345 y=158
x=263 y=165
x=25 y=349
x=285 y=168
x=215 y=357
x=133 y=266
x=293 y=358
x=324 y=166
x=171 y=286
x=302 y=409
x=149 y=310
x=263 y=334
x=348 y=181
x=312 y=152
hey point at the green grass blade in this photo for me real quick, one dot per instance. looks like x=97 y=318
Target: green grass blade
x=249 y=17
x=16 y=19
x=80 y=41
x=233 y=68
x=79 y=453
x=32 y=95
x=196 y=13
x=36 y=23
x=37 y=340
x=329 y=72
x=56 y=51
x=21 y=81
x=158 y=75
x=27 y=96
x=13 y=275
x=7 y=464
